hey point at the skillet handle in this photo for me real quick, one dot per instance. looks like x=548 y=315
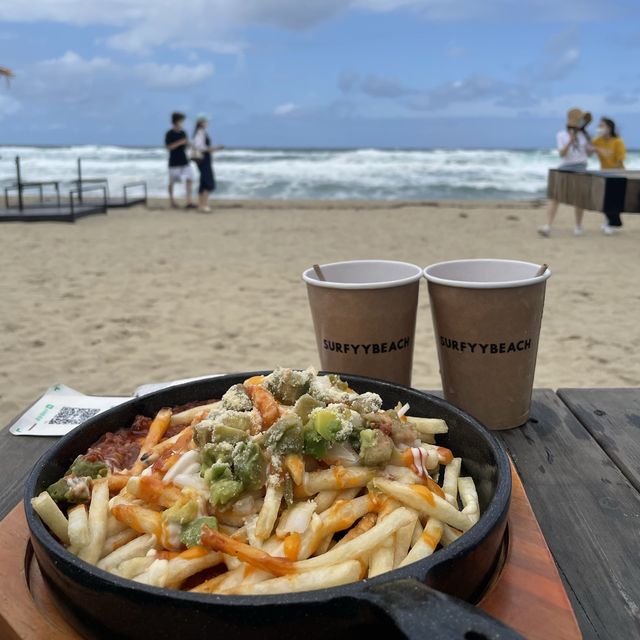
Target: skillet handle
x=420 y=612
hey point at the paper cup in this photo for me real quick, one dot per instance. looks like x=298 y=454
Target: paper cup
x=364 y=316
x=486 y=318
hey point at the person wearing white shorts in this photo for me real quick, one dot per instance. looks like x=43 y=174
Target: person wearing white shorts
x=176 y=142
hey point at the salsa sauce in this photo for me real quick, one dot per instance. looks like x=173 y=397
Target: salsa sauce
x=120 y=449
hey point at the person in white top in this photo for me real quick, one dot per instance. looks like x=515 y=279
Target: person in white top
x=574 y=146
x=201 y=150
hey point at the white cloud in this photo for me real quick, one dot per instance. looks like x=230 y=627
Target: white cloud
x=216 y=25
x=74 y=80
x=285 y=109
x=172 y=76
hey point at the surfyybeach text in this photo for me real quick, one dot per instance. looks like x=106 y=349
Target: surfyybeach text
x=485 y=347
x=366 y=349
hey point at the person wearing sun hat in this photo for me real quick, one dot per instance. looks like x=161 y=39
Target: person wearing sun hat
x=574 y=147
x=201 y=150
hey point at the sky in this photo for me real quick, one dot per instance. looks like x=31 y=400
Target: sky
x=318 y=73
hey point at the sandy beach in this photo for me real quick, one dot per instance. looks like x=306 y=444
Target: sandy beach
x=154 y=294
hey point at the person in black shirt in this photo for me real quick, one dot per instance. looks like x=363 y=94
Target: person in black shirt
x=176 y=142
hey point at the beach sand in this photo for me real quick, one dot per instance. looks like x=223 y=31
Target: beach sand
x=147 y=295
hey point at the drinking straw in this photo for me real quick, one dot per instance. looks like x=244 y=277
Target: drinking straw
x=318 y=270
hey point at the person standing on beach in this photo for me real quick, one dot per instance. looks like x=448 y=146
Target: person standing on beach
x=201 y=153
x=176 y=142
x=611 y=153
x=574 y=147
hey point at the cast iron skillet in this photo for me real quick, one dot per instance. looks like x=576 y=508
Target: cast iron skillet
x=401 y=603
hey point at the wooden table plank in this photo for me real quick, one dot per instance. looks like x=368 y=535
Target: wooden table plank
x=588 y=512
x=612 y=417
x=18 y=454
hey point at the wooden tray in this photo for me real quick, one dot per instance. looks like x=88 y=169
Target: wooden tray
x=526 y=593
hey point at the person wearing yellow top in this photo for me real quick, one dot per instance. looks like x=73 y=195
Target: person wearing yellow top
x=609 y=145
x=610 y=149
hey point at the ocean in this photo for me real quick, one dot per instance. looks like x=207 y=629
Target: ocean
x=430 y=174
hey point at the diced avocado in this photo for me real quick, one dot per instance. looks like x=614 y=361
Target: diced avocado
x=217 y=471
x=225 y=433
x=202 y=433
x=82 y=468
x=181 y=513
x=216 y=452
x=326 y=423
x=59 y=490
x=70 y=489
x=305 y=405
x=314 y=444
x=190 y=535
x=249 y=465
x=367 y=403
x=338 y=382
x=224 y=491
x=235 y=419
x=375 y=448
x=287 y=385
x=237 y=399
x=285 y=436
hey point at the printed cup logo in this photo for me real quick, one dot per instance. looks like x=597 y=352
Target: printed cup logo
x=366 y=349
x=485 y=348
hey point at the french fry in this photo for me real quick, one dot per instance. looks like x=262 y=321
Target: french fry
x=265 y=403
x=294 y=464
x=320 y=578
x=118 y=540
x=323 y=547
x=324 y=499
x=469 y=498
x=425 y=502
x=417 y=532
x=295 y=518
x=362 y=545
x=449 y=535
x=255 y=557
x=270 y=507
x=381 y=558
x=343 y=513
x=157 y=429
x=98 y=511
x=50 y=513
x=450 y=481
x=156 y=575
x=188 y=563
x=133 y=549
x=364 y=524
x=402 y=542
x=78 y=526
x=428 y=426
x=188 y=416
x=139 y=518
x=427 y=543
x=337 y=478
x=152 y=490
x=117 y=481
x=133 y=567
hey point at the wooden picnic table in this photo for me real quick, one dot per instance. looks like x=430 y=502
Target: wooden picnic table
x=579 y=459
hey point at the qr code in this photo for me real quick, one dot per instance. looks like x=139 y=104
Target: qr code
x=73 y=415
